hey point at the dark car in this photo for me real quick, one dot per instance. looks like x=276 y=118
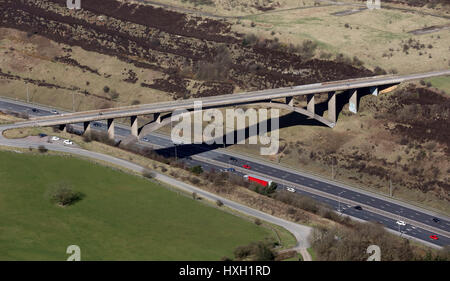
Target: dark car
x=42 y=135
x=233 y=159
x=436 y=220
x=97 y=124
x=357 y=207
x=35 y=110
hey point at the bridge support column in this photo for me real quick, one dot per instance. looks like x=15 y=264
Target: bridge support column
x=374 y=91
x=134 y=126
x=311 y=104
x=332 y=107
x=63 y=127
x=87 y=128
x=290 y=101
x=353 y=102
x=111 y=128
x=157 y=117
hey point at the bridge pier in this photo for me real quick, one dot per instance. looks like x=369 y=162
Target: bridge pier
x=290 y=101
x=332 y=107
x=63 y=127
x=353 y=102
x=311 y=104
x=374 y=91
x=157 y=117
x=87 y=128
x=111 y=128
x=134 y=126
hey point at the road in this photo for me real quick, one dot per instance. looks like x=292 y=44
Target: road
x=228 y=100
x=374 y=207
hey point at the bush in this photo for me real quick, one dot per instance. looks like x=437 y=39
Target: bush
x=114 y=95
x=197 y=170
x=42 y=149
x=219 y=203
x=148 y=174
x=106 y=89
x=63 y=195
x=255 y=251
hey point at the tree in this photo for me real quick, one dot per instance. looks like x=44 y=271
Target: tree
x=42 y=149
x=197 y=170
x=63 y=195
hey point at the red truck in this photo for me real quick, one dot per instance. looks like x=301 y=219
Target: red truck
x=260 y=180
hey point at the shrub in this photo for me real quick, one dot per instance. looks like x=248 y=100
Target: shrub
x=63 y=195
x=148 y=174
x=197 y=170
x=255 y=251
x=219 y=203
x=42 y=149
x=114 y=95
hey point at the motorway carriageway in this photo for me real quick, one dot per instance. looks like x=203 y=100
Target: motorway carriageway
x=204 y=151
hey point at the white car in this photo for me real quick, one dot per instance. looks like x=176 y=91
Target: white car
x=402 y=223
x=55 y=138
x=290 y=189
x=68 y=142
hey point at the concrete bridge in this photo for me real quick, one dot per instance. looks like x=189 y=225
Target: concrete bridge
x=162 y=111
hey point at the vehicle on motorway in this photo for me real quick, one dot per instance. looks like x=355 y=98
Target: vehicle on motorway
x=228 y=170
x=55 y=112
x=232 y=159
x=69 y=142
x=35 y=110
x=246 y=166
x=436 y=220
x=145 y=139
x=42 y=135
x=402 y=223
x=290 y=189
x=100 y=113
x=259 y=180
x=434 y=237
x=55 y=138
x=95 y=124
x=357 y=207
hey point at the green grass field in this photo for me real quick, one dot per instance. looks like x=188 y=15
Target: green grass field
x=122 y=217
x=442 y=83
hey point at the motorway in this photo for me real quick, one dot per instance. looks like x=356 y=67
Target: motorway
x=229 y=99
x=377 y=208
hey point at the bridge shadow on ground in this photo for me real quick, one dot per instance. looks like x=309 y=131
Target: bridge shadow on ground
x=285 y=121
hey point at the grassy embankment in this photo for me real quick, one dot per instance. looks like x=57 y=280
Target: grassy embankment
x=121 y=217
